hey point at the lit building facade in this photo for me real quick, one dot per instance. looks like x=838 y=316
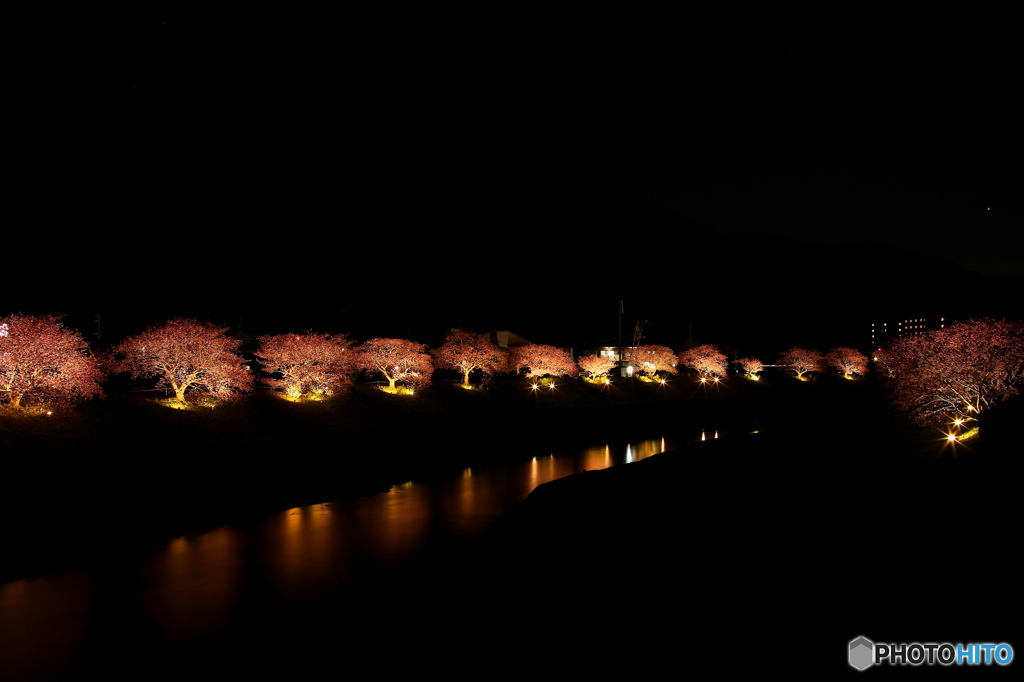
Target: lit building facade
x=884 y=332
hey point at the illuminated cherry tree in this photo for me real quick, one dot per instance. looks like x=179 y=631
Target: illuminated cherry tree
x=309 y=364
x=43 y=361
x=651 y=359
x=467 y=351
x=706 y=359
x=187 y=357
x=883 y=364
x=751 y=366
x=596 y=365
x=802 y=360
x=848 y=361
x=537 y=360
x=397 y=360
x=956 y=372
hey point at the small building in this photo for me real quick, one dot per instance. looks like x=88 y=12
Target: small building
x=613 y=352
x=507 y=339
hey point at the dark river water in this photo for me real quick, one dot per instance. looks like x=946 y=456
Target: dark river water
x=193 y=586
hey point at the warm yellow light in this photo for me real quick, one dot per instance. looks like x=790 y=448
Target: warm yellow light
x=716 y=380
x=958 y=422
x=970 y=434
x=397 y=390
x=703 y=380
x=951 y=436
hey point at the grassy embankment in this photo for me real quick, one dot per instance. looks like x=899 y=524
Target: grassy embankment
x=133 y=459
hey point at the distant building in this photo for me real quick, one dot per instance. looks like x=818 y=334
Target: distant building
x=884 y=332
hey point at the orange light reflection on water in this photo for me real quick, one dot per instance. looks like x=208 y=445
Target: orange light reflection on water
x=41 y=616
x=599 y=457
x=310 y=550
x=191 y=584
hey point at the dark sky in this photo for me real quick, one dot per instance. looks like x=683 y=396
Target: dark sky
x=348 y=175
x=902 y=140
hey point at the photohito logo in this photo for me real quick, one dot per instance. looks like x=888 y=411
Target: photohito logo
x=863 y=653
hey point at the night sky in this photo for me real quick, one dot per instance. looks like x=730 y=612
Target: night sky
x=342 y=174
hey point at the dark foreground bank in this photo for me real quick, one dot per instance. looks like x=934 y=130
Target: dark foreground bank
x=793 y=543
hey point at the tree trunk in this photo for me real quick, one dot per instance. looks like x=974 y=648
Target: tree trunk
x=16 y=400
x=179 y=394
x=465 y=378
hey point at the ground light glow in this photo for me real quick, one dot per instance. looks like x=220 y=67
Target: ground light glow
x=174 y=404
x=398 y=390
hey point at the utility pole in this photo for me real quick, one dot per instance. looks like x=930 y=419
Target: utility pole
x=638 y=333
x=621 y=370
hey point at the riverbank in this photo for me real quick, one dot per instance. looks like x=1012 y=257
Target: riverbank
x=127 y=419
x=172 y=472
x=160 y=484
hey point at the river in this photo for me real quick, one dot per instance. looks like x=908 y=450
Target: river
x=193 y=587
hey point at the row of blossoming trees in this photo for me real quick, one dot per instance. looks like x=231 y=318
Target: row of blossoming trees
x=44 y=362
